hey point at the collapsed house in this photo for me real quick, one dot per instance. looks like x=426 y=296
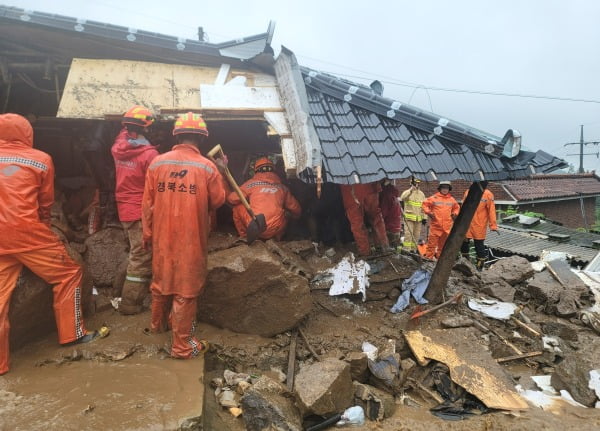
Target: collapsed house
x=72 y=77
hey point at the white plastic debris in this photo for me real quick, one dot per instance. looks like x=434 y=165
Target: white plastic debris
x=492 y=308
x=538 y=265
x=115 y=302
x=595 y=383
x=352 y=416
x=545 y=384
x=94 y=291
x=551 y=344
x=350 y=277
x=370 y=350
x=546 y=401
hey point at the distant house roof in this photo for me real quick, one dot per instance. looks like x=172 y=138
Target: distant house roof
x=544 y=187
x=534 y=188
x=365 y=137
x=532 y=242
x=65 y=37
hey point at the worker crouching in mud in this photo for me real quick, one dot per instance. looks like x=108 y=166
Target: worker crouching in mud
x=182 y=186
x=266 y=195
x=26 y=196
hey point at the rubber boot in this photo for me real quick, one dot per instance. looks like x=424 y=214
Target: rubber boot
x=133 y=295
x=480 y=262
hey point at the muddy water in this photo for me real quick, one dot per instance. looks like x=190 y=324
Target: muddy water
x=101 y=390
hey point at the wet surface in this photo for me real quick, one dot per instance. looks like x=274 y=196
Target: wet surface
x=123 y=382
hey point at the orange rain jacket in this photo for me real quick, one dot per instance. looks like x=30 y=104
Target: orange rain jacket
x=484 y=215
x=26 y=199
x=266 y=195
x=181 y=188
x=441 y=207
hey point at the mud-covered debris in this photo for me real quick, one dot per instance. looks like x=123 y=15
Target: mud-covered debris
x=232 y=378
x=376 y=403
x=324 y=387
x=227 y=398
x=359 y=369
x=268 y=406
x=513 y=269
x=249 y=290
x=456 y=322
x=465 y=267
x=106 y=250
x=497 y=287
x=573 y=374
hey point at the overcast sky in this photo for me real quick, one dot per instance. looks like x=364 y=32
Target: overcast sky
x=527 y=47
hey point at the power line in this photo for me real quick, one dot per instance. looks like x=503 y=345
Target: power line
x=394 y=81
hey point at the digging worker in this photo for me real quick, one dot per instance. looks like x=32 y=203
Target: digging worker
x=391 y=212
x=133 y=153
x=361 y=199
x=182 y=186
x=442 y=209
x=26 y=196
x=485 y=216
x=414 y=218
x=266 y=195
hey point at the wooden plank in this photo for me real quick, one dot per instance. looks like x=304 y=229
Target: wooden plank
x=292 y=362
x=470 y=366
x=521 y=356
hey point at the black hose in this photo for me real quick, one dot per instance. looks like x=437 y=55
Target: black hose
x=325 y=423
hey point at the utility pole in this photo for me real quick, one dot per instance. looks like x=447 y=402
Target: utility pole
x=581 y=143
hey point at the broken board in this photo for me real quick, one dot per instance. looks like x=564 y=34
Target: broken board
x=470 y=365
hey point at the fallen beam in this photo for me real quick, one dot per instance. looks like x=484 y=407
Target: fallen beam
x=292 y=362
x=521 y=356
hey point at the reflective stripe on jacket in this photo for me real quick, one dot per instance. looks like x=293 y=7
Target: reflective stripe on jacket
x=442 y=207
x=26 y=189
x=413 y=204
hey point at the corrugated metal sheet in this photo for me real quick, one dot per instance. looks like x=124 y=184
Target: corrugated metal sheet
x=583 y=239
x=366 y=137
x=529 y=244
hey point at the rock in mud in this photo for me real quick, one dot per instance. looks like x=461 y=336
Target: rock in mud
x=359 y=368
x=544 y=288
x=456 y=322
x=249 y=290
x=267 y=406
x=376 y=403
x=497 y=287
x=465 y=267
x=573 y=374
x=513 y=269
x=31 y=312
x=106 y=250
x=324 y=387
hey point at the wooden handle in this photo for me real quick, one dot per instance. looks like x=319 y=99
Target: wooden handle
x=217 y=149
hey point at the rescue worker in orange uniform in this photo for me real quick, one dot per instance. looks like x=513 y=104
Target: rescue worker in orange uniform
x=361 y=199
x=266 y=195
x=442 y=209
x=485 y=216
x=133 y=153
x=26 y=196
x=182 y=187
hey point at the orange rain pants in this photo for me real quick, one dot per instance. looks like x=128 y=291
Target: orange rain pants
x=26 y=197
x=268 y=196
x=484 y=215
x=441 y=209
x=182 y=187
x=54 y=266
x=361 y=199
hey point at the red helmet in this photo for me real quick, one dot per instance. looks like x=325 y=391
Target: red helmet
x=139 y=116
x=262 y=162
x=190 y=123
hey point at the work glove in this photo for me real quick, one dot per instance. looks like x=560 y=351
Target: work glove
x=497 y=231
x=453 y=216
x=424 y=222
x=222 y=163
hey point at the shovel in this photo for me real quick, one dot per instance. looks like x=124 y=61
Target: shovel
x=257 y=224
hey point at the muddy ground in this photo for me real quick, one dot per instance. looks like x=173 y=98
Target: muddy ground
x=127 y=381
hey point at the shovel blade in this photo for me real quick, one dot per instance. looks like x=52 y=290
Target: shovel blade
x=256 y=226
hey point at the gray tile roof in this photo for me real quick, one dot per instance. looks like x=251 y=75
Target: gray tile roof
x=531 y=244
x=69 y=37
x=366 y=137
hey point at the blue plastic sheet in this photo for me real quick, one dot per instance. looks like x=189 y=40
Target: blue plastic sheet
x=416 y=286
